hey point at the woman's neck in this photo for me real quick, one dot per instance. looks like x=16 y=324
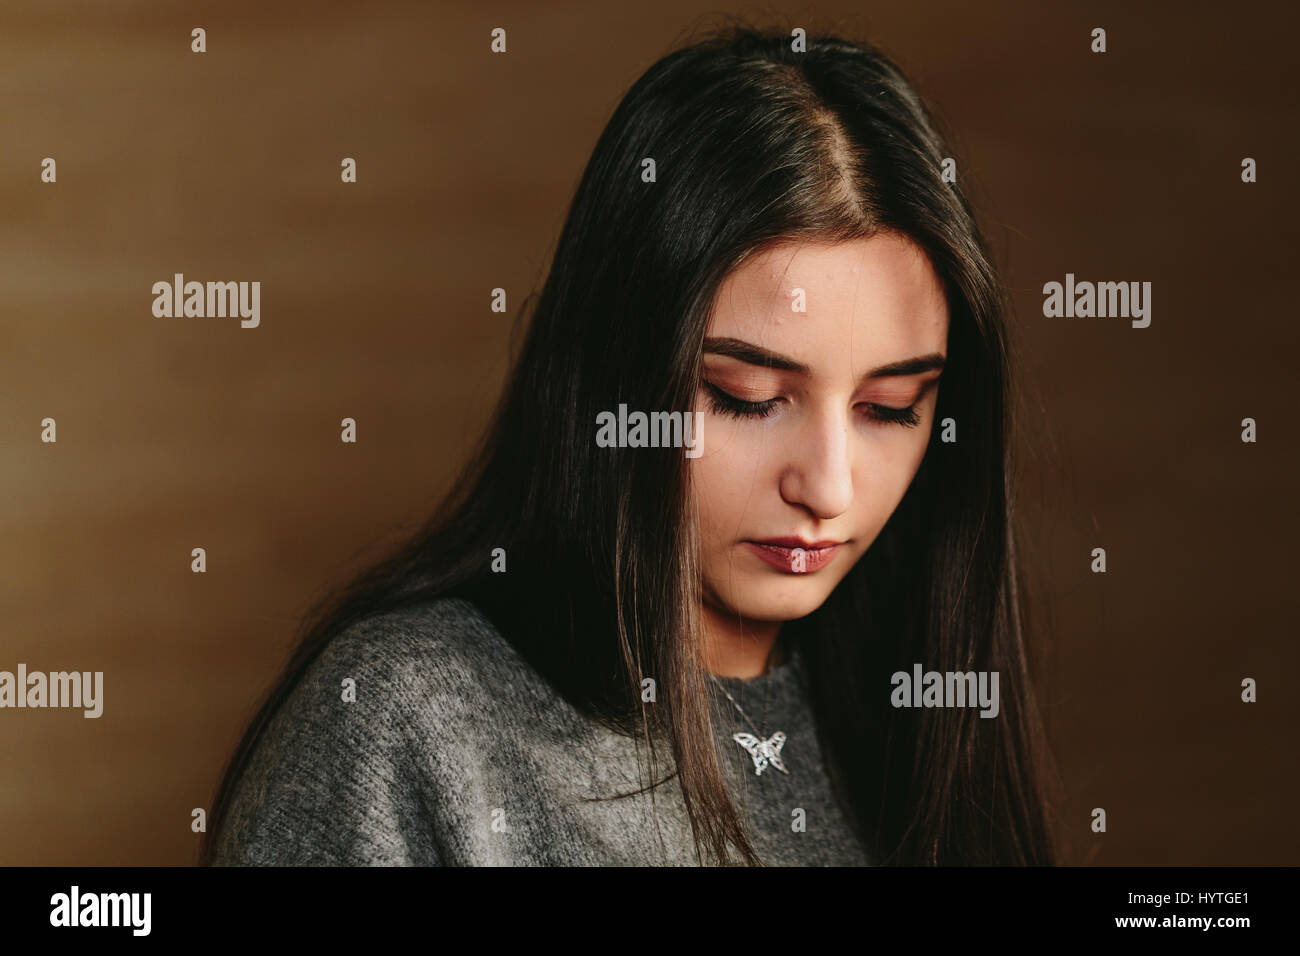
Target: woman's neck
x=738 y=648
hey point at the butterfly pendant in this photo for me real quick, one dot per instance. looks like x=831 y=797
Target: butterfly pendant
x=765 y=752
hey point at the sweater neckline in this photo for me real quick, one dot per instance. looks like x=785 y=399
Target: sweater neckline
x=773 y=676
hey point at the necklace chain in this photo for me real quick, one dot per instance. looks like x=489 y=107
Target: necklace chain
x=767 y=690
x=764 y=750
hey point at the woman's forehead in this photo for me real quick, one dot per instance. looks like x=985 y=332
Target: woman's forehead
x=818 y=302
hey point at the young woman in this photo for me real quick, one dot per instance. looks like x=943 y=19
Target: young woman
x=691 y=641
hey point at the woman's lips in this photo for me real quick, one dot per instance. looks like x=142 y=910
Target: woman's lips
x=794 y=557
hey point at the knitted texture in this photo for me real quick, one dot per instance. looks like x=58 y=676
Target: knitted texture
x=456 y=752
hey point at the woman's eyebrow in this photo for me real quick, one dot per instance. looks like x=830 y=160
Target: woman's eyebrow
x=754 y=355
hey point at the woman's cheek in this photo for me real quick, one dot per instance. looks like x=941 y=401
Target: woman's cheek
x=740 y=453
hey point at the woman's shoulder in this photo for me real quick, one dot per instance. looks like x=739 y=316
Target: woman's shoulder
x=435 y=669
x=437 y=644
x=417 y=673
x=344 y=764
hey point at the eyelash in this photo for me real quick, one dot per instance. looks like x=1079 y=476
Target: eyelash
x=726 y=404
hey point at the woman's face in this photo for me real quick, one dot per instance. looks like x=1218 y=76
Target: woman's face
x=814 y=421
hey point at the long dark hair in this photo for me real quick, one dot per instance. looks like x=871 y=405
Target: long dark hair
x=754 y=143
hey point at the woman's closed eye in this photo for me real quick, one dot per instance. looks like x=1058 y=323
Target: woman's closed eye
x=724 y=403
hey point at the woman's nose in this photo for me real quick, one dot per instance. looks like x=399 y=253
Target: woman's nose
x=819 y=474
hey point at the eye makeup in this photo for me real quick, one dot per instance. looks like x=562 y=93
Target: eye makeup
x=724 y=403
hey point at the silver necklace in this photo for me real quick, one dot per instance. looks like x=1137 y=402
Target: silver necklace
x=765 y=751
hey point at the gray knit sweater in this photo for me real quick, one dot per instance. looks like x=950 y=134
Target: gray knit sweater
x=455 y=752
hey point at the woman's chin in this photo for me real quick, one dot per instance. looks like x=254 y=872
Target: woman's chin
x=784 y=603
